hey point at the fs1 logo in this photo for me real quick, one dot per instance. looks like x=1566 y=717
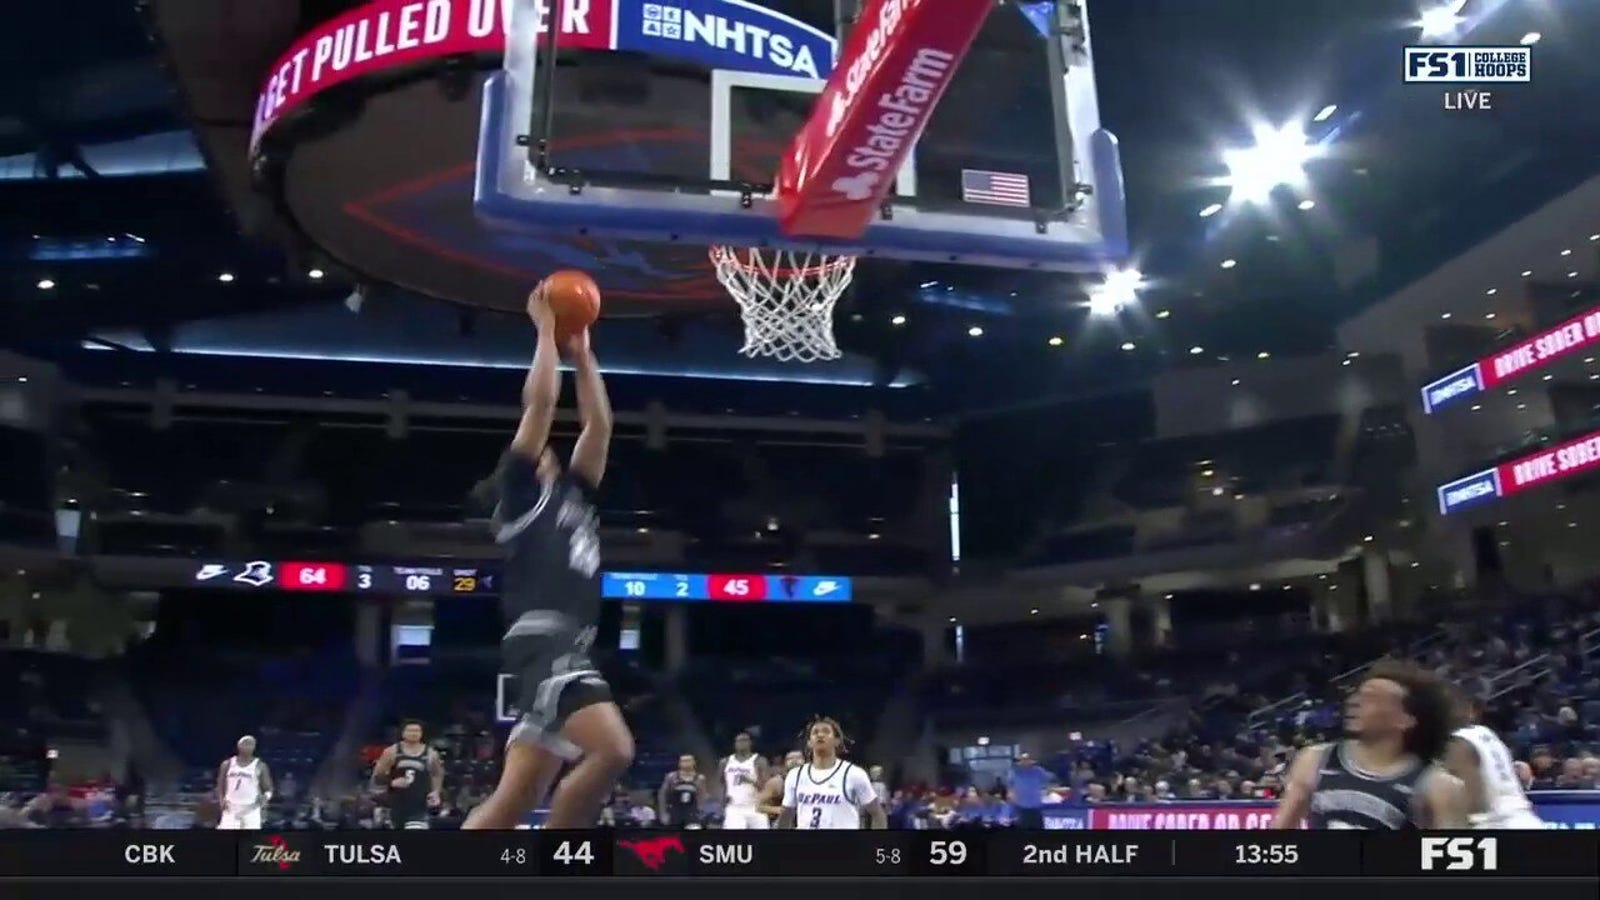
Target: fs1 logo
x=1468 y=65
x=1460 y=854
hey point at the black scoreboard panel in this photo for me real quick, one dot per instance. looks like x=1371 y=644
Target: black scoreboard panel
x=1018 y=855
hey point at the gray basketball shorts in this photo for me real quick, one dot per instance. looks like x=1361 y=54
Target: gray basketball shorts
x=555 y=678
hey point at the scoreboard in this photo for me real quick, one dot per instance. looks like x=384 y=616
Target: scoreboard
x=439 y=579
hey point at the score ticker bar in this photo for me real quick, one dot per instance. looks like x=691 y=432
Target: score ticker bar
x=863 y=854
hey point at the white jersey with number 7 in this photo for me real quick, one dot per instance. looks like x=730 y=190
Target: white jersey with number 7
x=827 y=799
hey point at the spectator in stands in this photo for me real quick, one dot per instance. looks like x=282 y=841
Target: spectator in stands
x=1025 y=787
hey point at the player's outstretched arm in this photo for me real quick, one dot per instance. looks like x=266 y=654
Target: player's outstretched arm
x=770 y=803
x=594 y=409
x=661 y=800
x=1446 y=802
x=877 y=817
x=222 y=786
x=543 y=385
x=264 y=795
x=788 y=817
x=859 y=788
x=435 y=778
x=381 y=770
x=1298 y=787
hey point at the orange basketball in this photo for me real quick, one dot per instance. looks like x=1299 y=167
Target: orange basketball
x=574 y=298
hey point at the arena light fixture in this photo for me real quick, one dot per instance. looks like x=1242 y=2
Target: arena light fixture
x=1444 y=315
x=1491 y=292
x=1325 y=113
x=1196 y=350
x=975 y=331
x=1120 y=288
x=1277 y=158
x=1527 y=273
x=1531 y=38
x=1441 y=20
x=1164 y=314
x=1263 y=355
x=1566 y=253
x=1235 y=382
x=1229 y=263
x=315 y=274
x=1211 y=210
x=1307 y=205
x=225 y=278
x=1056 y=341
x=898 y=320
x=46 y=284
x=1128 y=345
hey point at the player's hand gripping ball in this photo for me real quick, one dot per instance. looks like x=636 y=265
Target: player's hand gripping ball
x=574 y=298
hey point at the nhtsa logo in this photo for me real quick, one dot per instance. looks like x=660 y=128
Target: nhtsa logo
x=1468 y=65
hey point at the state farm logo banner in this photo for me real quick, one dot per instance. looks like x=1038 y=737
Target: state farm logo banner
x=896 y=64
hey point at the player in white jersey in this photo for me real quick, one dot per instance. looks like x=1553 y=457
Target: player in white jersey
x=743 y=774
x=1495 y=797
x=827 y=793
x=243 y=788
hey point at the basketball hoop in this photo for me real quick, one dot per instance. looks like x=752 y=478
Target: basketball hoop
x=786 y=299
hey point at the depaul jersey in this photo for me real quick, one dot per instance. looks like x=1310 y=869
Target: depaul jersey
x=1505 y=804
x=550 y=536
x=827 y=799
x=243 y=784
x=739 y=780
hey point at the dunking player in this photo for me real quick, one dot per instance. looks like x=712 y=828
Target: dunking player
x=412 y=775
x=243 y=787
x=771 y=800
x=1382 y=776
x=545 y=521
x=680 y=794
x=743 y=774
x=1494 y=794
x=827 y=793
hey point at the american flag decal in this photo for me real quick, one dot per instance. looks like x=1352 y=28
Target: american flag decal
x=995 y=188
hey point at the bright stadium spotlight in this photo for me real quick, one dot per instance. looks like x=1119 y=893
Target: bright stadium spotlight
x=1442 y=19
x=1120 y=289
x=1278 y=157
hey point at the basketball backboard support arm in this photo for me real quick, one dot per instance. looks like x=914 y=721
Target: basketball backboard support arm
x=512 y=192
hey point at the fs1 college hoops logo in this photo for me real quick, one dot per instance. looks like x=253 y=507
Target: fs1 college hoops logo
x=1467 y=69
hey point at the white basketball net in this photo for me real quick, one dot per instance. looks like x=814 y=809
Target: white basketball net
x=786 y=299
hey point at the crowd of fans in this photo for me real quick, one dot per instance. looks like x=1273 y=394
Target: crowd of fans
x=1538 y=667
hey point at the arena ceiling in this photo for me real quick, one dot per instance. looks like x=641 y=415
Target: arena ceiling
x=135 y=217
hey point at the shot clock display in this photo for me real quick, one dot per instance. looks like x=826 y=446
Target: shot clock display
x=439 y=580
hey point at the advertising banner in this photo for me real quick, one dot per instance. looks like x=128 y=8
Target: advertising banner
x=1561 y=810
x=1578 y=333
x=384 y=35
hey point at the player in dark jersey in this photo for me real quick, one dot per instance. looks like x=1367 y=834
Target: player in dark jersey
x=411 y=775
x=681 y=793
x=1383 y=775
x=546 y=525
